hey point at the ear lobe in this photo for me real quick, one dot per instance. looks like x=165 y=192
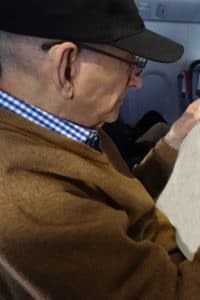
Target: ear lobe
x=68 y=90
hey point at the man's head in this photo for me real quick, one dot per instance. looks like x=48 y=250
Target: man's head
x=114 y=22
x=77 y=59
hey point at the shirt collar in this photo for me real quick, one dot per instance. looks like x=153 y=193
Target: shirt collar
x=49 y=121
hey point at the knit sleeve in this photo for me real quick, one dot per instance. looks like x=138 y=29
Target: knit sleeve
x=156 y=167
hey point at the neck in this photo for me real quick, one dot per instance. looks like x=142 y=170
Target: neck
x=34 y=92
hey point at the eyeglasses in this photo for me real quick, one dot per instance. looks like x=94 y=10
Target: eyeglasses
x=139 y=64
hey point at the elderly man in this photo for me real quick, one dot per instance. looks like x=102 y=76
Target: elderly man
x=75 y=223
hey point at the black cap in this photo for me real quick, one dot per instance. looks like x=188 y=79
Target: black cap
x=115 y=22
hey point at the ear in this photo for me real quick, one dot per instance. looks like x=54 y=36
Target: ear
x=63 y=57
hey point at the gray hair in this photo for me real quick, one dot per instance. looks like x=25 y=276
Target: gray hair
x=19 y=52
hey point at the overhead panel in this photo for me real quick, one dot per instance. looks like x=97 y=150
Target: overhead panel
x=170 y=10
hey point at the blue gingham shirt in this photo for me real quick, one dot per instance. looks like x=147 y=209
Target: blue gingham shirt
x=49 y=121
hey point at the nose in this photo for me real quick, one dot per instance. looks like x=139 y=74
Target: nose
x=135 y=82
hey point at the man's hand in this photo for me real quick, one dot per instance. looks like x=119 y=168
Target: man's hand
x=183 y=125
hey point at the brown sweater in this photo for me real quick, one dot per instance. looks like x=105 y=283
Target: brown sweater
x=75 y=224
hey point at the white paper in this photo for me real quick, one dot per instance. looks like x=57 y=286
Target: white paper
x=180 y=200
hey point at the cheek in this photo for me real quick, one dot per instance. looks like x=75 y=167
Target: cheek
x=101 y=87
x=89 y=81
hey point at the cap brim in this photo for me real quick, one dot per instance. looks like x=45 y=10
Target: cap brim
x=152 y=46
